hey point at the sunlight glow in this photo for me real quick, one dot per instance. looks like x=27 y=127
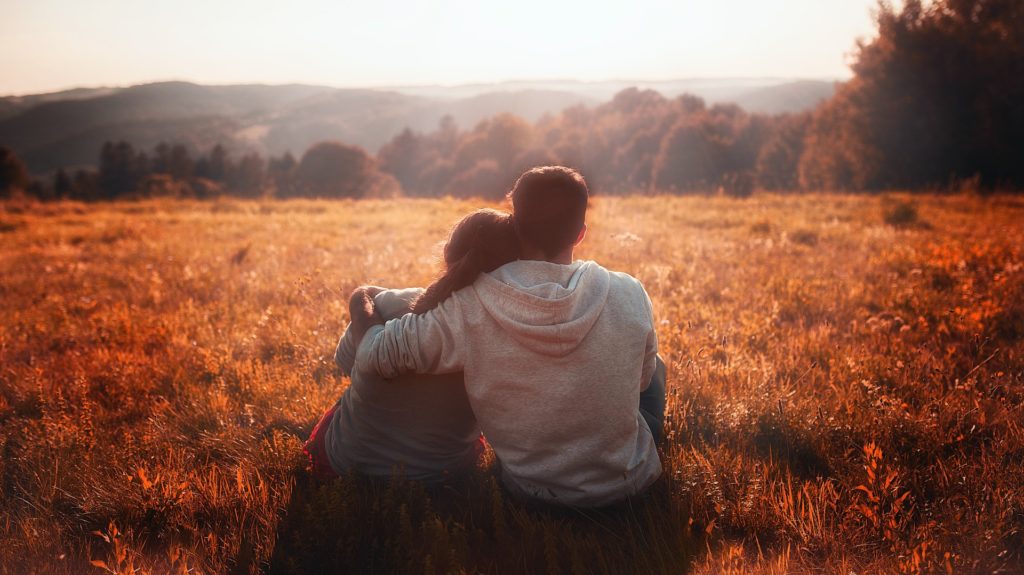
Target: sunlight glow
x=53 y=44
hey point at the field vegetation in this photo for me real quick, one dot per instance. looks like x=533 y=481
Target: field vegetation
x=846 y=390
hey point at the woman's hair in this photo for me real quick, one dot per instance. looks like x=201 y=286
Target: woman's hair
x=483 y=241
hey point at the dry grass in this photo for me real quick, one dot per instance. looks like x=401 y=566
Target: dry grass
x=845 y=393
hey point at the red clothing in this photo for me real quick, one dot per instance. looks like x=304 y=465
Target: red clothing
x=316 y=448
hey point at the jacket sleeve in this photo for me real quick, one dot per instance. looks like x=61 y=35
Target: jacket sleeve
x=430 y=343
x=651 y=346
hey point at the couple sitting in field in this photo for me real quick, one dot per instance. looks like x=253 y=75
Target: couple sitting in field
x=554 y=360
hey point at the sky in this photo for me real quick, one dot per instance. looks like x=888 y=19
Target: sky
x=47 y=45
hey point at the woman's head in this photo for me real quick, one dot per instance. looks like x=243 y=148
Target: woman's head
x=483 y=241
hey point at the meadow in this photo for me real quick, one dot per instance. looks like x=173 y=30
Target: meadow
x=846 y=390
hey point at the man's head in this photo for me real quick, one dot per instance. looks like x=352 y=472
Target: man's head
x=549 y=209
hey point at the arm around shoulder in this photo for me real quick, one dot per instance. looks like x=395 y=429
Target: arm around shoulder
x=433 y=342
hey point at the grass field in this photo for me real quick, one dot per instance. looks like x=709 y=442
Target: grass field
x=846 y=390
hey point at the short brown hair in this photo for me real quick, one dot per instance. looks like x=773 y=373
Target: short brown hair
x=549 y=207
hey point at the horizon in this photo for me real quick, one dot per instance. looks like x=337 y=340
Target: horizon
x=349 y=46
x=444 y=86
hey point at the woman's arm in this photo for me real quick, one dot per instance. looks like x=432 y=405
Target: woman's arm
x=363 y=312
x=345 y=353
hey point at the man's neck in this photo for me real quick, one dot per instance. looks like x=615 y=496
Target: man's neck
x=564 y=258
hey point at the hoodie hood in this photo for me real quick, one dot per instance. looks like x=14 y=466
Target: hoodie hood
x=548 y=308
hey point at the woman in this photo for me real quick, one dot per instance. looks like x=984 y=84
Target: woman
x=419 y=424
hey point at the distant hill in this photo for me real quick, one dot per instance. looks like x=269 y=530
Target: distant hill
x=789 y=97
x=67 y=128
x=13 y=105
x=56 y=133
x=767 y=95
x=372 y=117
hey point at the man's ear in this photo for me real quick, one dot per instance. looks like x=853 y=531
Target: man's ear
x=583 y=234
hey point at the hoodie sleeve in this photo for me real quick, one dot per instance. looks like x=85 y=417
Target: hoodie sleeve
x=430 y=343
x=390 y=303
x=651 y=348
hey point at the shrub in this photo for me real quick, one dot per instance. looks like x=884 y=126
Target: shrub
x=761 y=228
x=805 y=237
x=738 y=184
x=901 y=214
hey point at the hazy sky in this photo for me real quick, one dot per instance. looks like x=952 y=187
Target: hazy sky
x=54 y=44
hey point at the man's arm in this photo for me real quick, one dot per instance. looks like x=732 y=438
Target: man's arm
x=433 y=342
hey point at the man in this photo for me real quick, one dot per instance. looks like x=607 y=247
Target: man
x=559 y=356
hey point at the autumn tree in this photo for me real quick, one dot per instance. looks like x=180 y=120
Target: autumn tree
x=485 y=179
x=333 y=169
x=500 y=139
x=247 y=177
x=214 y=166
x=63 y=185
x=405 y=157
x=689 y=158
x=86 y=185
x=13 y=173
x=935 y=98
x=121 y=169
x=280 y=172
x=778 y=159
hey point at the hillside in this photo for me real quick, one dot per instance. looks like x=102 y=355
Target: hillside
x=13 y=105
x=791 y=95
x=267 y=119
x=67 y=128
x=785 y=98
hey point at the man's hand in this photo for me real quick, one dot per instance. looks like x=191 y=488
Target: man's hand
x=363 y=312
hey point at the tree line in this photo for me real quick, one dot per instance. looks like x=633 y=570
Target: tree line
x=328 y=169
x=936 y=101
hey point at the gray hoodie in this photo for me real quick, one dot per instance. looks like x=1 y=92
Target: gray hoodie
x=555 y=357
